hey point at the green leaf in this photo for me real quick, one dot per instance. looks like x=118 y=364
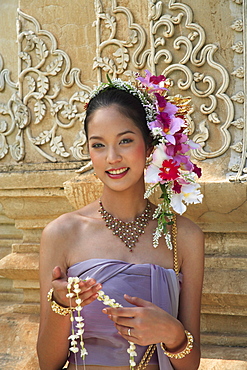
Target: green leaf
x=108 y=78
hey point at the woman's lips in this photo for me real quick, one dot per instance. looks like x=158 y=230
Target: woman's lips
x=117 y=173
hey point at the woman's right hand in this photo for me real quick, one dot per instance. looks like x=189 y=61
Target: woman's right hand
x=88 y=294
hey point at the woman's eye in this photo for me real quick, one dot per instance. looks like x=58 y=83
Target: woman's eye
x=97 y=145
x=126 y=141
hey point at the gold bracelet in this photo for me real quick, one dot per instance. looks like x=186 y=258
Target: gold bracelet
x=56 y=307
x=183 y=353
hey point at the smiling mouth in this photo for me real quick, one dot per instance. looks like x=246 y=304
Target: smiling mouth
x=117 y=172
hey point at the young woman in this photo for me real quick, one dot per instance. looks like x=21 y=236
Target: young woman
x=108 y=244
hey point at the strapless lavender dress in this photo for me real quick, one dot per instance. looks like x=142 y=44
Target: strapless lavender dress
x=150 y=282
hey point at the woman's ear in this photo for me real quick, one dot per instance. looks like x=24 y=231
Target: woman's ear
x=150 y=150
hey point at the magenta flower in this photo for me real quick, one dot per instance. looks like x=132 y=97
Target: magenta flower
x=161 y=102
x=180 y=145
x=165 y=120
x=156 y=79
x=197 y=170
x=184 y=162
x=169 y=170
x=158 y=158
x=155 y=124
x=176 y=187
x=153 y=83
x=171 y=129
x=171 y=109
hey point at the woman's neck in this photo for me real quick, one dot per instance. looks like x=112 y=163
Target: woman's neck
x=126 y=206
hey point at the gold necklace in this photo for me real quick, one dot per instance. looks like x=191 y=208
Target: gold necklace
x=128 y=232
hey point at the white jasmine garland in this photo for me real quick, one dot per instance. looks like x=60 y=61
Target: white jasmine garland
x=102 y=297
x=73 y=291
x=147 y=100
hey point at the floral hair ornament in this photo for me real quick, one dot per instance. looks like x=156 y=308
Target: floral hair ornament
x=170 y=167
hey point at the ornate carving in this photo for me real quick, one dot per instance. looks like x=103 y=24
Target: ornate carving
x=5 y=77
x=37 y=111
x=238 y=25
x=238 y=47
x=238 y=147
x=159 y=58
x=39 y=96
x=239 y=97
x=239 y=72
x=116 y=63
x=241 y=123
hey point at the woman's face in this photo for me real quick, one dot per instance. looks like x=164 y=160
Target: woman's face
x=117 y=148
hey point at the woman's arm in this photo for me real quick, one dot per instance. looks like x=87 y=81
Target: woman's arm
x=190 y=241
x=54 y=330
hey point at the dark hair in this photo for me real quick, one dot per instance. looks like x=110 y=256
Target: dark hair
x=128 y=104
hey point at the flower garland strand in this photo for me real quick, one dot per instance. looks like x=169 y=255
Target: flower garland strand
x=73 y=291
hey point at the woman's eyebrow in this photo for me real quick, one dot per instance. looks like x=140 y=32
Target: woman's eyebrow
x=94 y=137
x=126 y=132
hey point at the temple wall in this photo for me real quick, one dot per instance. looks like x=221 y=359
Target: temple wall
x=52 y=53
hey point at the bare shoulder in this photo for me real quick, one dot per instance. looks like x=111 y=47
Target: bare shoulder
x=69 y=222
x=67 y=229
x=190 y=241
x=188 y=228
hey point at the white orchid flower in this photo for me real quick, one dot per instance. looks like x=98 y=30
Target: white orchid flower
x=190 y=193
x=159 y=156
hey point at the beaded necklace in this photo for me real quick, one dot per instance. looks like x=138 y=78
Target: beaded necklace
x=128 y=232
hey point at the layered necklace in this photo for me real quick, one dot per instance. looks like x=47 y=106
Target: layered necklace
x=128 y=232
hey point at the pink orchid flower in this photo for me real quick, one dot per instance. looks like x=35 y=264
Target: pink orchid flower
x=176 y=124
x=184 y=162
x=153 y=83
x=181 y=145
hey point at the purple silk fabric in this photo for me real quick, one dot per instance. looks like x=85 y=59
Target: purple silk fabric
x=150 y=282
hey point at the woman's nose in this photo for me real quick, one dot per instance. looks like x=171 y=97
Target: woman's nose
x=113 y=155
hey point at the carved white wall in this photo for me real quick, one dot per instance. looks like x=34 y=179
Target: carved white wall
x=45 y=111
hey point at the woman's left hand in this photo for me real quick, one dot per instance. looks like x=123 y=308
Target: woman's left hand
x=146 y=323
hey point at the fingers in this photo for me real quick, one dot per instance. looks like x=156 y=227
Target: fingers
x=127 y=333
x=127 y=311
x=89 y=289
x=123 y=320
x=56 y=273
x=118 y=312
x=132 y=323
x=139 y=302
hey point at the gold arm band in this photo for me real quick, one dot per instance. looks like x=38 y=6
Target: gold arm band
x=183 y=353
x=56 y=307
